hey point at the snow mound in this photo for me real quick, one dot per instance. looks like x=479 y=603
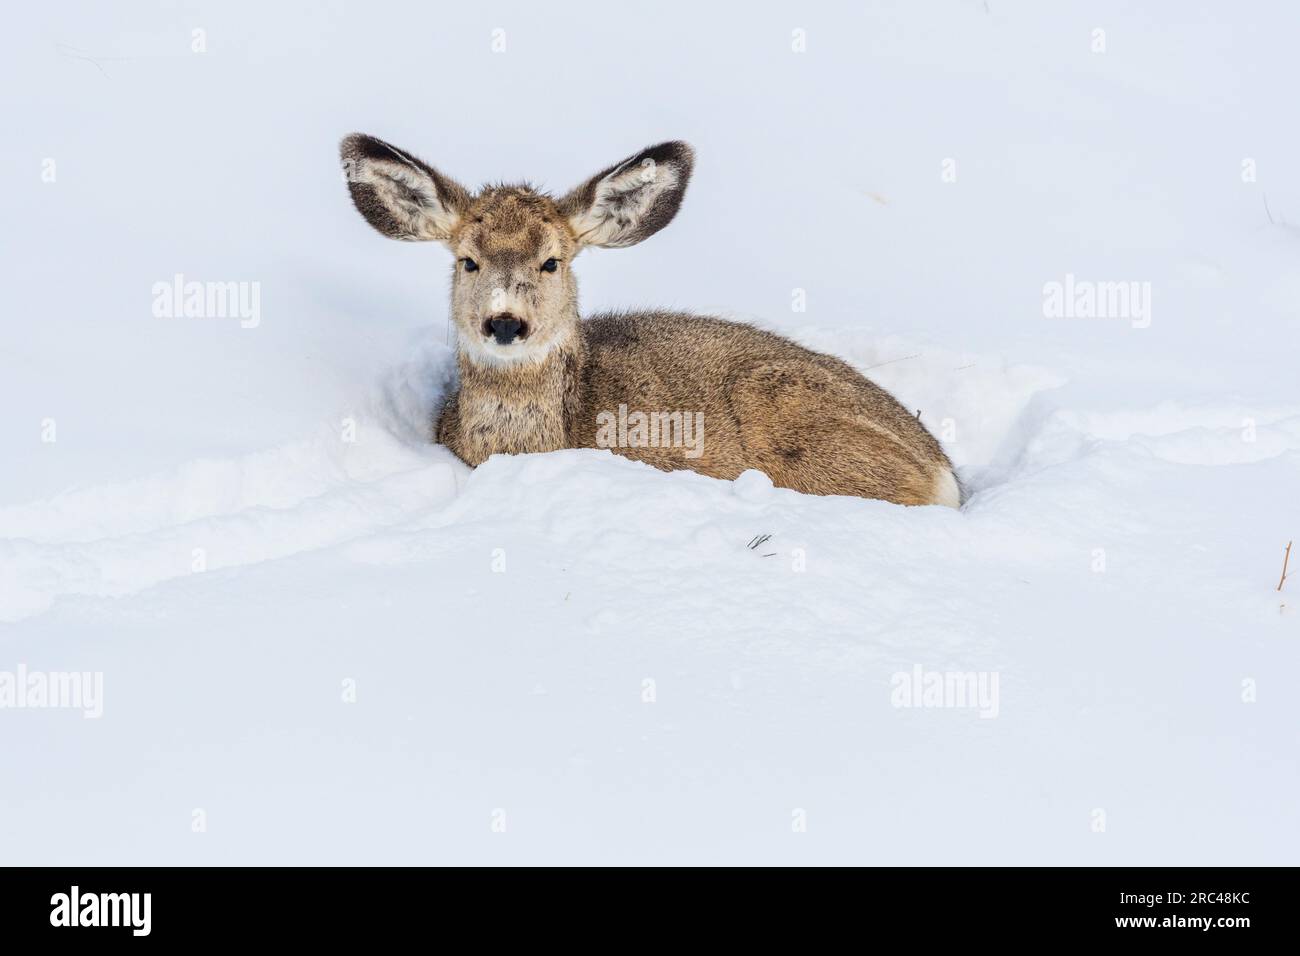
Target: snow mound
x=362 y=472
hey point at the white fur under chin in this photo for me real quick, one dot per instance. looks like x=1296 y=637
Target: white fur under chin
x=486 y=351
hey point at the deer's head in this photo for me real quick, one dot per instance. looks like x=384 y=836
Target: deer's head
x=514 y=296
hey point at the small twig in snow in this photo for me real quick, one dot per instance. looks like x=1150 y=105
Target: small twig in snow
x=70 y=51
x=1286 y=557
x=892 y=361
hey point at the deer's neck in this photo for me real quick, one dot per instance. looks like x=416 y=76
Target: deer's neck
x=520 y=407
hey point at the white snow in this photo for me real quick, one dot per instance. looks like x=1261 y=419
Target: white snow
x=328 y=641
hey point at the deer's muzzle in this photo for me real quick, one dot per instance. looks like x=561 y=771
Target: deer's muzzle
x=505 y=328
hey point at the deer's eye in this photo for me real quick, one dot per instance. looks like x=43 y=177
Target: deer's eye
x=470 y=265
x=550 y=265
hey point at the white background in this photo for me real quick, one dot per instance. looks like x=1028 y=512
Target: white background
x=1172 y=449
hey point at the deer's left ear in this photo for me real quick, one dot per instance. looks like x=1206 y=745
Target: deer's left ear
x=631 y=200
x=398 y=194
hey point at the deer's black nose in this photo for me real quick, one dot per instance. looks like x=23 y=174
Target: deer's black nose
x=504 y=328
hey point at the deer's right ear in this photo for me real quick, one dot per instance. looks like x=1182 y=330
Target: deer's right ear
x=631 y=200
x=399 y=195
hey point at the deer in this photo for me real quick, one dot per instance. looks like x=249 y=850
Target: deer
x=534 y=376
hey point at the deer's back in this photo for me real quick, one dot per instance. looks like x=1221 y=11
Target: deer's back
x=810 y=421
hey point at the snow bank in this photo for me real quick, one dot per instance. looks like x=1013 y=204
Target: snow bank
x=323 y=639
